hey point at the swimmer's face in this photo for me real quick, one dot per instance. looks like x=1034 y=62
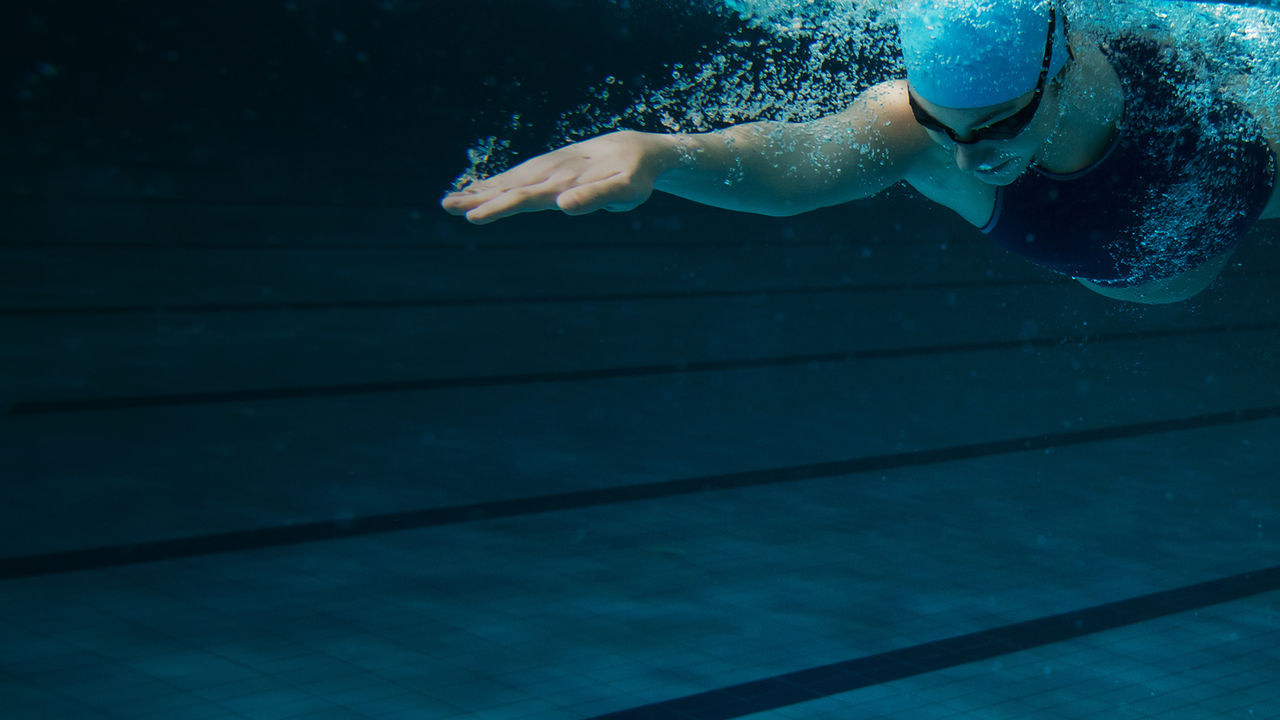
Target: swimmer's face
x=994 y=161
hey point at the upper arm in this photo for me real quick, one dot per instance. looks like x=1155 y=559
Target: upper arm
x=782 y=168
x=869 y=146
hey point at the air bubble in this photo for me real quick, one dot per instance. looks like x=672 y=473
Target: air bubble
x=791 y=61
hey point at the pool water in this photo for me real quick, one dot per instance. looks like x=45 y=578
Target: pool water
x=280 y=439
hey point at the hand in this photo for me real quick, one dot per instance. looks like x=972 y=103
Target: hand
x=614 y=172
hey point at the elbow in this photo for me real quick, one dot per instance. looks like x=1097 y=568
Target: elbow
x=785 y=210
x=783 y=202
x=797 y=204
x=798 y=197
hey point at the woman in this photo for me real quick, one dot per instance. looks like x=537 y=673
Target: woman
x=1094 y=160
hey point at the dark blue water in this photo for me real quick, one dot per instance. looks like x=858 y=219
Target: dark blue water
x=281 y=439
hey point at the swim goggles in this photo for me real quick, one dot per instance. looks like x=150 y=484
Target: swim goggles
x=1008 y=128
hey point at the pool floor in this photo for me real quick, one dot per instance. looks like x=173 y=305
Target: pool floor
x=280 y=462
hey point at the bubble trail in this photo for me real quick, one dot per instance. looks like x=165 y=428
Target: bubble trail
x=797 y=60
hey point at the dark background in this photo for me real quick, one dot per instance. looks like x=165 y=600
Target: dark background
x=347 y=94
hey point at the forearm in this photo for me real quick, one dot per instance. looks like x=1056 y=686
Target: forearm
x=767 y=168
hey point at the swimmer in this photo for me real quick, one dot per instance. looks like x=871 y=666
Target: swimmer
x=1084 y=156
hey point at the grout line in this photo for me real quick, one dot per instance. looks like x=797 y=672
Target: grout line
x=137 y=402
x=284 y=535
x=821 y=682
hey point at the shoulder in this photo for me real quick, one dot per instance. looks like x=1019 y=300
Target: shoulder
x=891 y=105
x=883 y=112
x=886 y=102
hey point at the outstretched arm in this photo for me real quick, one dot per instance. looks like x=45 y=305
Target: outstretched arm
x=789 y=168
x=766 y=168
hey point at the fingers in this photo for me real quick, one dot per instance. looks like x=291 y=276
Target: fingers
x=480 y=192
x=458 y=203
x=577 y=179
x=495 y=205
x=616 y=192
x=462 y=202
x=479 y=201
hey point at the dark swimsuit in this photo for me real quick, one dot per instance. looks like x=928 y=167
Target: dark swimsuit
x=1178 y=186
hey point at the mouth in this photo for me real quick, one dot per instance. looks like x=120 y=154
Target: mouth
x=988 y=170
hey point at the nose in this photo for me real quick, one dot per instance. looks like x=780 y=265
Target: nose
x=969 y=157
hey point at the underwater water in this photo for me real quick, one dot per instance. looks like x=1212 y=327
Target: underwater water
x=281 y=439
x=796 y=61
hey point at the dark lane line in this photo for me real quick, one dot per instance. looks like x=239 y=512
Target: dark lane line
x=48 y=407
x=460 y=245
x=412 y=303
x=842 y=677
x=478 y=301
x=27 y=200
x=268 y=537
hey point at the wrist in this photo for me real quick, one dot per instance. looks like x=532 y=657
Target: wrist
x=673 y=154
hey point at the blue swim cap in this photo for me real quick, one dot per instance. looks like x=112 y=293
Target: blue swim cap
x=974 y=53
